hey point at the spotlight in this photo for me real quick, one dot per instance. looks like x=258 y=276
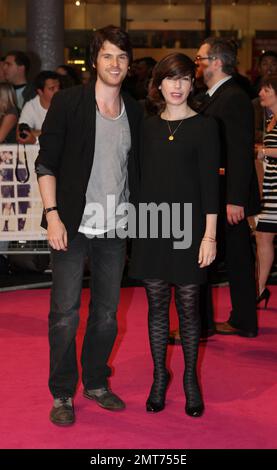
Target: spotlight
x=77 y=3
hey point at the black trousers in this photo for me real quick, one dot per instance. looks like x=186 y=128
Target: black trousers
x=234 y=243
x=106 y=260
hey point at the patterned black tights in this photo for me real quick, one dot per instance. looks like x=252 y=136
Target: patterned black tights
x=186 y=299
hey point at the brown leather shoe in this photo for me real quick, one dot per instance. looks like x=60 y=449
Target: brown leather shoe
x=174 y=337
x=62 y=413
x=225 y=328
x=108 y=400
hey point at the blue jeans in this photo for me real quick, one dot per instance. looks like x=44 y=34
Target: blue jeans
x=106 y=260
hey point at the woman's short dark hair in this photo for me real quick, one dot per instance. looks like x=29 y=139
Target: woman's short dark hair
x=269 y=81
x=114 y=35
x=175 y=65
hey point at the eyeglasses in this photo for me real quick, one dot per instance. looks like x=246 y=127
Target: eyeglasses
x=208 y=57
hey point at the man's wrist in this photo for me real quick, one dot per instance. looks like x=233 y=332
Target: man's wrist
x=50 y=209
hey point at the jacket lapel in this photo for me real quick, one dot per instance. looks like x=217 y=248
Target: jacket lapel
x=89 y=111
x=216 y=94
x=130 y=115
x=89 y=124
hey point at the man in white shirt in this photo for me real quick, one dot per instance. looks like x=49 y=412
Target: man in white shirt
x=34 y=111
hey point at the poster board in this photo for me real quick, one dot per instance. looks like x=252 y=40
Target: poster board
x=21 y=205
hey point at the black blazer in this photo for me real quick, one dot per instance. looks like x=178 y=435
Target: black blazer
x=67 y=149
x=232 y=109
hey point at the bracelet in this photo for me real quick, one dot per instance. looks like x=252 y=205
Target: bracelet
x=263 y=150
x=209 y=239
x=49 y=209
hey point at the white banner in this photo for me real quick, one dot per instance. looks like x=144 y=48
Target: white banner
x=21 y=205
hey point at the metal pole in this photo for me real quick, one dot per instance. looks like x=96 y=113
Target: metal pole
x=208 y=17
x=123 y=14
x=45 y=31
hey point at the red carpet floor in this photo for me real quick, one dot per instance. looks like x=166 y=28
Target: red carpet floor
x=238 y=377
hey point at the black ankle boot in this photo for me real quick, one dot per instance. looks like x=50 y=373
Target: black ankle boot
x=195 y=411
x=194 y=403
x=156 y=399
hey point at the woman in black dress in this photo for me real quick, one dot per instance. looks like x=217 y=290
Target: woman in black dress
x=179 y=164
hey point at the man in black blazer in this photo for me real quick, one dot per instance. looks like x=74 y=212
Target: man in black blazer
x=239 y=194
x=88 y=153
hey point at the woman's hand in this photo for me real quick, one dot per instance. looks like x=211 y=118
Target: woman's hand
x=261 y=154
x=207 y=252
x=260 y=151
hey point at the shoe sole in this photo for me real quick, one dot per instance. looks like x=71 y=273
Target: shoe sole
x=248 y=335
x=62 y=424
x=238 y=333
x=154 y=411
x=100 y=404
x=195 y=416
x=242 y=333
x=226 y=333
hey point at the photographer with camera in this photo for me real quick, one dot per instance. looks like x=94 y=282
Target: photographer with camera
x=34 y=111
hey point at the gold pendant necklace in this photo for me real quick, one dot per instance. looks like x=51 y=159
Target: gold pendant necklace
x=171 y=135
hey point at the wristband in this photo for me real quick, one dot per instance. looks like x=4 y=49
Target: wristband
x=263 y=150
x=209 y=239
x=49 y=209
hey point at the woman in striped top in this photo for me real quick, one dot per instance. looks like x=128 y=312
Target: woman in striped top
x=267 y=223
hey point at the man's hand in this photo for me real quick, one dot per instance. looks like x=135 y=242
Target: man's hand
x=56 y=232
x=235 y=214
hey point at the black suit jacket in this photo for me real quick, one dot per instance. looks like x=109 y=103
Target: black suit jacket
x=232 y=109
x=67 y=149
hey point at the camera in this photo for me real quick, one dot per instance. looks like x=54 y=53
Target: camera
x=23 y=127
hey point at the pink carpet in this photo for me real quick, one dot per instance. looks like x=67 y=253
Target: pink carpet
x=238 y=376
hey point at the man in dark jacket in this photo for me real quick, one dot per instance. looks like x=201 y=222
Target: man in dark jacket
x=88 y=153
x=232 y=109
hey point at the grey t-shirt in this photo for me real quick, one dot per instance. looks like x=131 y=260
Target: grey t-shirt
x=108 y=182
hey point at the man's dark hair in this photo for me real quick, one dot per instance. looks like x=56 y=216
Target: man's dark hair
x=225 y=50
x=39 y=82
x=267 y=54
x=149 y=61
x=21 y=59
x=114 y=35
x=71 y=73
